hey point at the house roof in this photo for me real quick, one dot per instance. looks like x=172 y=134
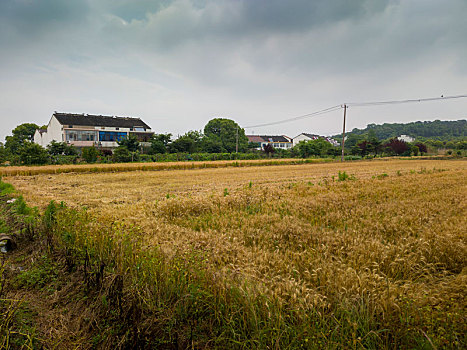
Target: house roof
x=267 y=138
x=254 y=138
x=99 y=120
x=313 y=136
x=309 y=135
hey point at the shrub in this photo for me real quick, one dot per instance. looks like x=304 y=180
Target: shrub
x=397 y=147
x=342 y=176
x=61 y=148
x=61 y=159
x=146 y=158
x=33 y=154
x=122 y=155
x=90 y=154
x=421 y=147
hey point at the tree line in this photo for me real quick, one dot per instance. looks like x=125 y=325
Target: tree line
x=437 y=130
x=220 y=140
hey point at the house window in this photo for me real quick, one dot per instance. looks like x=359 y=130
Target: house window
x=112 y=136
x=117 y=128
x=140 y=129
x=70 y=126
x=80 y=135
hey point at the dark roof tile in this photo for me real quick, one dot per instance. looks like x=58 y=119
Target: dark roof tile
x=268 y=138
x=99 y=120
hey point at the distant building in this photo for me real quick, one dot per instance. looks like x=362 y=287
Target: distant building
x=278 y=142
x=308 y=137
x=86 y=130
x=406 y=138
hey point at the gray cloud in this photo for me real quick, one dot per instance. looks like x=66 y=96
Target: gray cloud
x=255 y=60
x=32 y=18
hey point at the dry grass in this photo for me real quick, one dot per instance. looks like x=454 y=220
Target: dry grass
x=387 y=247
x=118 y=167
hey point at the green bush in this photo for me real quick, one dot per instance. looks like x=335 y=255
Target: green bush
x=33 y=154
x=43 y=272
x=352 y=158
x=146 y=158
x=123 y=155
x=90 y=154
x=62 y=159
x=5 y=188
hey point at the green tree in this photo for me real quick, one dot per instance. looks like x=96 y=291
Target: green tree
x=319 y=147
x=461 y=145
x=421 y=147
x=225 y=131
x=123 y=155
x=3 y=153
x=183 y=144
x=130 y=142
x=190 y=142
x=437 y=144
x=352 y=140
x=90 y=154
x=212 y=144
x=269 y=149
x=159 y=143
x=61 y=148
x=195 y=135
x=21 y=134
x=436 y=130
x=362 y=148
x=31 y=153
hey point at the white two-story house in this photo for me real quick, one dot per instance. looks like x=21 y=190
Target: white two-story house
x=307 y=137
x=86 y=130
x=277 y=141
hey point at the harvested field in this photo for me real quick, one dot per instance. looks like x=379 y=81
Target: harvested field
x=376 y=249
x=118 y=167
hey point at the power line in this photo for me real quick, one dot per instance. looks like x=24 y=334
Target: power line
x=309 y=115
x=379 y=103
x=356 y=104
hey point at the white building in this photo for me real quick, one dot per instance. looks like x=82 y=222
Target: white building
x=86 y=130
x=307 y=137
x=406 y=138
x=278 y=142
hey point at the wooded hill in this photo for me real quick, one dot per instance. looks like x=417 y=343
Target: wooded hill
x=436 y=130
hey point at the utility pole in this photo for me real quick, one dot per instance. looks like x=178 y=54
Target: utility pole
x=343 y=133
x=236 y=142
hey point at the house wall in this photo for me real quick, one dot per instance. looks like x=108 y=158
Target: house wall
x=54 y=131
x=38 y=137
x=299 y=138
x=277 y=145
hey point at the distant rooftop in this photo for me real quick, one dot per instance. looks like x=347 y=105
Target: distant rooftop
x=310 y=135
x=267 y=138
x=99 y=120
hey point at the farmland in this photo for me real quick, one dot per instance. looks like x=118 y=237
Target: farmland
x=365 y=254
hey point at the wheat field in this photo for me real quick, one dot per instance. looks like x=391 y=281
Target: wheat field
x=383 y=241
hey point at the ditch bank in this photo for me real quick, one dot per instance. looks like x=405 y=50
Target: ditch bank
x=73 y=282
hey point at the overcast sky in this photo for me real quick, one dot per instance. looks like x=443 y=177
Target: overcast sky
x=178 y=64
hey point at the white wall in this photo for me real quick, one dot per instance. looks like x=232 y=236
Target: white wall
x=54 y=132
x=38 y=138
x=299 y=138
